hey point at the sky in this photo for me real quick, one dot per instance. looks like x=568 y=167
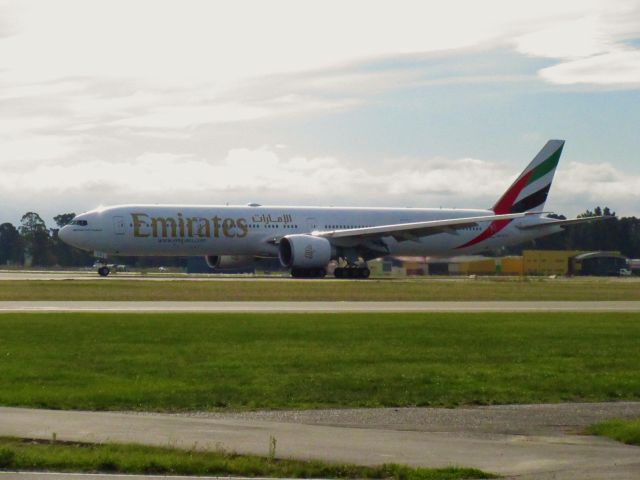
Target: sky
x=364 y=103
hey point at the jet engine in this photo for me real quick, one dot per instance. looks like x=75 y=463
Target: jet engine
x=304 y=251
x=223 y=262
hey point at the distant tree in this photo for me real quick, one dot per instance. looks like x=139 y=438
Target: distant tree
x=10 y=245
x=629 y=236
x=37 y=241
x=30 y=223
x=63 y=219
x=586 y=213
x=616 y=234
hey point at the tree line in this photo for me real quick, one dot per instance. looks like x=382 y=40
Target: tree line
x=33 y=243
x=620 y=234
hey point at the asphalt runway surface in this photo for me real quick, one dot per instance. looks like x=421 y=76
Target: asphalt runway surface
x=90 y=274
x=318 y=306
x=151 y=276
x=519 y=441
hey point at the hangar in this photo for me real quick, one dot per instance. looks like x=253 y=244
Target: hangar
x=598 y=263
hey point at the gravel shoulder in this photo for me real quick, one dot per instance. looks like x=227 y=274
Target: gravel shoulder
x=539 y=419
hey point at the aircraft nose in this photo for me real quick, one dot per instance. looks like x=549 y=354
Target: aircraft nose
x=64 y=233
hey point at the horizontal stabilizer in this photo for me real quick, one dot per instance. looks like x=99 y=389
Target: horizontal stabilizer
x=565 y=223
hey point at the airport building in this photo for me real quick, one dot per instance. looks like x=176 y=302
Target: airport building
x=531 y=262
x=599 y=264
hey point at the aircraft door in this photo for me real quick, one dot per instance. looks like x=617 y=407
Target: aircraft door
x=118 y=225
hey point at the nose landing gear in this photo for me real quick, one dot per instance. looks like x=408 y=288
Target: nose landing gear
x=101 y=265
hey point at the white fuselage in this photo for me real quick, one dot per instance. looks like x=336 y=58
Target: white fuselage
x=182 y=230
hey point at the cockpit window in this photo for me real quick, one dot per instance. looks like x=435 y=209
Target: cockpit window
x=82 y=223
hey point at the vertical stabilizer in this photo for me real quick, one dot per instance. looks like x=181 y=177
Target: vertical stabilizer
x=530 y=190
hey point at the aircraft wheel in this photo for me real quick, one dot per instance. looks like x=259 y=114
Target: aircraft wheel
x=365 y=272
x=339 y=272
x=103 y=271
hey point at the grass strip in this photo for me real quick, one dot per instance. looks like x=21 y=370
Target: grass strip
x=25 y=454
x=233 y=361
x=327 y=290
x=626 y=431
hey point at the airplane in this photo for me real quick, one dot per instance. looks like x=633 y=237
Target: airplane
x=307 y=239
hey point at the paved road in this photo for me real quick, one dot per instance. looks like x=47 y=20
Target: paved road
x=241 y=306
x=535 y=449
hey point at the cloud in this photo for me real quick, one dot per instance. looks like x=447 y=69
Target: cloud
x=100 y=102
x=272 y=176
x=602 y=182
x=201 y=42
x=265 y=171
x=577 y=38
x=26 y=151
x=149 y=66
x=591 y=48
x=618 y=67
x=8 y=25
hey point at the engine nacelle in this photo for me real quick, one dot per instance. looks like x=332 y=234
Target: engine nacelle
x=222 y=262
x=304 y=251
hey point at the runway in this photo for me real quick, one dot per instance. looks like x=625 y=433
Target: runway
x=318 y=306
x=47 y=275
x=157 y=276
x=528 y=441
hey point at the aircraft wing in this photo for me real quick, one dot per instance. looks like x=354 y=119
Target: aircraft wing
x=414 y=230
x=564 y=223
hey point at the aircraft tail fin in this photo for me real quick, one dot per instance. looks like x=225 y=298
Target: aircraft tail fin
x=530 y=190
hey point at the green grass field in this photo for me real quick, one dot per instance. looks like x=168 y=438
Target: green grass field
x=627 y=431
x=273 y=289
x=172 y=362
x=17 y=454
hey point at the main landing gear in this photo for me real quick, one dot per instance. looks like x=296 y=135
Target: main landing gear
x=352 y=271
x=104 y=271
x=308 y=272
